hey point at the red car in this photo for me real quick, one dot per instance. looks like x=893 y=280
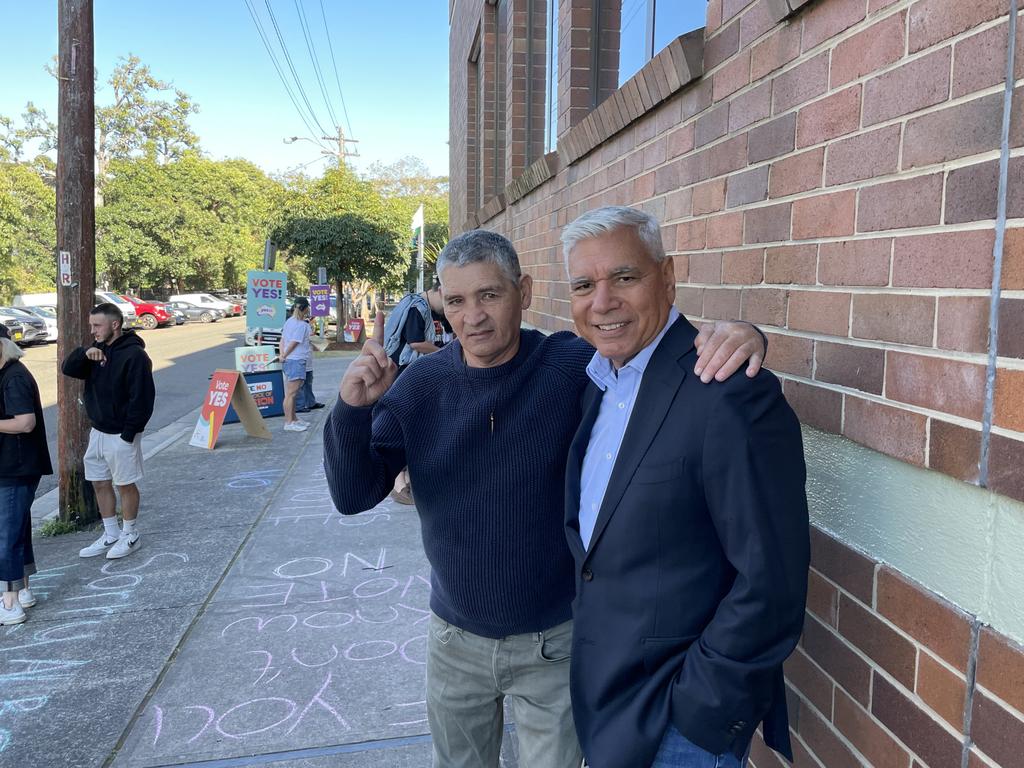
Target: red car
x=152 y=314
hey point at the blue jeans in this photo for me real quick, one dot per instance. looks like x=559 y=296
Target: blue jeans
x=16 y=557
x=304 y=400
x=676 y=751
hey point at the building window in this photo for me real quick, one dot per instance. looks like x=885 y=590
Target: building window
x=631 y=32
x=551 y=78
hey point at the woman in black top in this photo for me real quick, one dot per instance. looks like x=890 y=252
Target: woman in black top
x=24 y=458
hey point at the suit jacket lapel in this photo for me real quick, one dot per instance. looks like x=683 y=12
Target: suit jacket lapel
x=661 y=381
x=574 y=467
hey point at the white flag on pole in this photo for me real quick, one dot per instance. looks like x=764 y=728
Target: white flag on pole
x=417 y=219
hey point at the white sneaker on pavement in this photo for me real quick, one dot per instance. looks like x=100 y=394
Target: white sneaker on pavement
x=98 y=547
x=13 y=615
x=128 y=543
x=296 y=426
x=26 y=598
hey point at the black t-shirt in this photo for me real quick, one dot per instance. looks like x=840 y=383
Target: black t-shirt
x=19 y=396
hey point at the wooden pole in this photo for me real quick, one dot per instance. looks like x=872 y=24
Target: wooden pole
x=76 y=244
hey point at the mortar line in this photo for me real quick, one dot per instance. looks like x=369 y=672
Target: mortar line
x=200 y=613
x=997 y=251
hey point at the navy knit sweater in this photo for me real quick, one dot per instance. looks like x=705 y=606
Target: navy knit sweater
x=491 y=503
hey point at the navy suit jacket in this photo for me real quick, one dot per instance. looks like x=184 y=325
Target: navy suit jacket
x=692 y=592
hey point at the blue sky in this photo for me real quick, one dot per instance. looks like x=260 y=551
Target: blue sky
x=392 y=58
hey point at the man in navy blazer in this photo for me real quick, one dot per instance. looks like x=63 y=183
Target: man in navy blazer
x=687 y=519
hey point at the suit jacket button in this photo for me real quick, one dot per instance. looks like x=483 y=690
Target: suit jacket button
x=587 y=574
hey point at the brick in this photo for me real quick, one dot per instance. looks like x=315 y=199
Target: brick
x=800 y=84
x=847 y=567
x=755 y=22
x=872 y=49
x=913 y=726
x=748 y=187
x=681 y=140
x=731 y=77
x=705 y=268
x=932 y=21
x=815 y=406
x=942 y=690
x=831 y=215
x=743 y=267
x=894 y=317
x=962 y=323
x=775 y=51
x=820 y=737
x=838 y=660
x=996 y=731
x=1001 y=667
x=972 y=193
x=721 y=303
x=874 y=6
x=823 y=602
x=679 y=204
x=764 y=306
x=750 y=107
x=912 y=87
x=933 y=622
x=877 y=640
x=819 y=312
x=979 y=61
x=948 y=134
x=690 y=301
x=944 y=260
x=790 y=354
x=714 y=17
x=865 y=156
x=1006 y=457
x=666 y=178
x=644 y=186
x=1013 y=260
x=798 y=173
x=1011 y=328
x=1009 y=399
x=723 y=45
x=768 y=224
x=915 y=202
x=792 y=264
x=772 y=139
x=725 y=230
x=954 y=450
x=762 y=756
x=892 y=431
x=691 y=235
x=825 y=20
x=709 y=197
x=727 y=156
x=681 y=266
x=731 y=8
x=946 y=385
x=864 y=733
x=829 y=118
x=860 y=368
x=855 y=262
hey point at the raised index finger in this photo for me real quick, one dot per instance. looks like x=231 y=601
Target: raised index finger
x=373 y=349
x=378 y=328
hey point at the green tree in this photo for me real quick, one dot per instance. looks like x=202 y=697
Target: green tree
x=27 y=232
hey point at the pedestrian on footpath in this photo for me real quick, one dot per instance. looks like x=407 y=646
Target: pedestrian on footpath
x=295 y=358
x=306 y=401
x=24 y=458
x=484 y=426
x=119 y=396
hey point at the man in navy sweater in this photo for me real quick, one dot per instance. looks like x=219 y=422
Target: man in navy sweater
x=484 y=426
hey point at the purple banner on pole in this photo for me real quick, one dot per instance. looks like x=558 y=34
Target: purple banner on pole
x=319 y=300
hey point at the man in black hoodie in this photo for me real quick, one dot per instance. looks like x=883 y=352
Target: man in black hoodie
x=119 y=395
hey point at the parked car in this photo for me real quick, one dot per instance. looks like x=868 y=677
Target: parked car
x=131 y=317
x=14 y=327
x=48 y=315
x=229 y=308
x=195 y=312
x=152 y=314
x=33 y=329
x=180 y=318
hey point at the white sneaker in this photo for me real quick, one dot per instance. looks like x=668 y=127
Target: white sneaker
x=98 y=547
x=13 y=615
x=128 y=543
x=26 y=598
x=296 y=426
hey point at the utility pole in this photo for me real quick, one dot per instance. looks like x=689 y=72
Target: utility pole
x=341 y=141
x=76 y=244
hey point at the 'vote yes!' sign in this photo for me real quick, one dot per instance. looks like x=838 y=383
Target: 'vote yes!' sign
x=265 y=294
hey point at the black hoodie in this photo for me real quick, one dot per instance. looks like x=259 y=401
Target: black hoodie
x=119 y=392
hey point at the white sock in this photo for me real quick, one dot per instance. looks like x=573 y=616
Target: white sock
x=110 y=528
x=129 y=526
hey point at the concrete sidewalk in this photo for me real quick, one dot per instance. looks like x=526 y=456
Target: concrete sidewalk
x=256 y=626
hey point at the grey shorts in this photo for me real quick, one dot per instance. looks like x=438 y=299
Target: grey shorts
x=108 y=457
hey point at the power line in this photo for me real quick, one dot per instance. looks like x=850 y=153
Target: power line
x=304 y=23
x=300 y=167
x=280 y=73
x=330 y=45
x=291 y=66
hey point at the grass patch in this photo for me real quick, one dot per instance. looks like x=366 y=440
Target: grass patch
x=57 y=527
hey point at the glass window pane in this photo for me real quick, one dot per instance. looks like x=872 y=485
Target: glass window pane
x=673 y=18
x=632 y=38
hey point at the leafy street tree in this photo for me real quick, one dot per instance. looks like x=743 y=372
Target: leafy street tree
x=27 y=232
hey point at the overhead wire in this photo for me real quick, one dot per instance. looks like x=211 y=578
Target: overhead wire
x=280 y=73
x=304 y=23
x=334 y=62
x=303 y=165
x=291 y=66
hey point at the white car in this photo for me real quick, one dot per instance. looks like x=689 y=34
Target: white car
x=131 y=317
x=229 y=308
x=45 y=314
